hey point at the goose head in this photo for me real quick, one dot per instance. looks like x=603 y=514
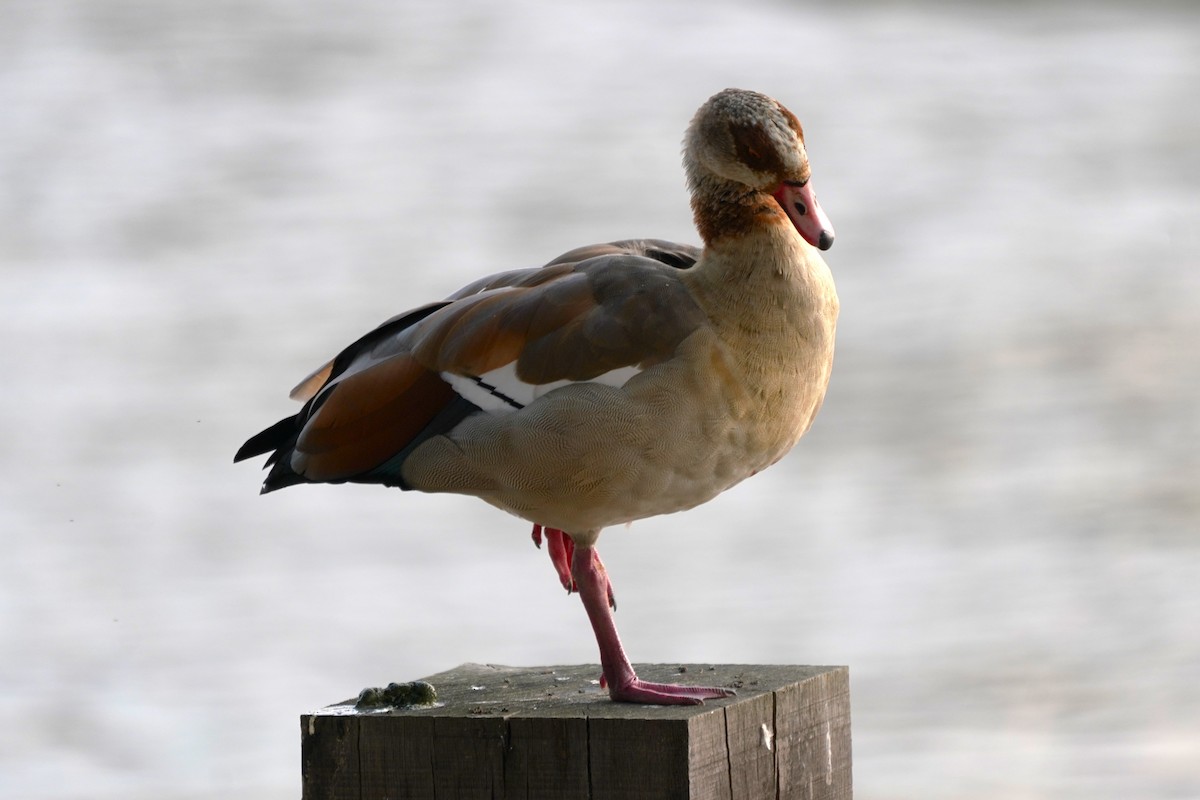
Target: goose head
x=746 y=163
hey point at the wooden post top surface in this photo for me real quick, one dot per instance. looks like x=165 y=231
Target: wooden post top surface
x=574 y=691
x=502 y=732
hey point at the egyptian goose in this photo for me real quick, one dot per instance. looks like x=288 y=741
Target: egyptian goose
x=617 y=382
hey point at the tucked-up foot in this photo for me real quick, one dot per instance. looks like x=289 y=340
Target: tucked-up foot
x=561 y=549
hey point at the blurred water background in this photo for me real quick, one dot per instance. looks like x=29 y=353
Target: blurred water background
x=994 y=522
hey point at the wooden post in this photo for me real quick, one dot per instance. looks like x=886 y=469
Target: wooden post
x=551 y=732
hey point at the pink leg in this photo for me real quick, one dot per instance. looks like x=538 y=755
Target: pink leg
x=623 y=683
x=561 y=547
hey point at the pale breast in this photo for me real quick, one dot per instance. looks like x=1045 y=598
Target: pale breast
x=588 y=456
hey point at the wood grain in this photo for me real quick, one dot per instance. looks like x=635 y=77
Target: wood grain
x=551 y=733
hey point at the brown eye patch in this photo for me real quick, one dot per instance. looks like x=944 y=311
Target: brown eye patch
x=756 y=148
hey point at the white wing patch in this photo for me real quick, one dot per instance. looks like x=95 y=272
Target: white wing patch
x=501 y=391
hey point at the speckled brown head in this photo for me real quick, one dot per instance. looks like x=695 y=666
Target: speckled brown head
x=746 y=165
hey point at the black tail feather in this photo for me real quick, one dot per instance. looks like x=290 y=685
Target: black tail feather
x=270 y=439
x=281 y=476
x=278 y=440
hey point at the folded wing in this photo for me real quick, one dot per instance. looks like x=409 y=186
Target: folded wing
x=600 y=313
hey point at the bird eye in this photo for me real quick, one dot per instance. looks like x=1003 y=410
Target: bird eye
x=801 y=209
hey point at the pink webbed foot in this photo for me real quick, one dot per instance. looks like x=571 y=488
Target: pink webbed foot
x=561 y=548
x=667 y=694
x=664 y=694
